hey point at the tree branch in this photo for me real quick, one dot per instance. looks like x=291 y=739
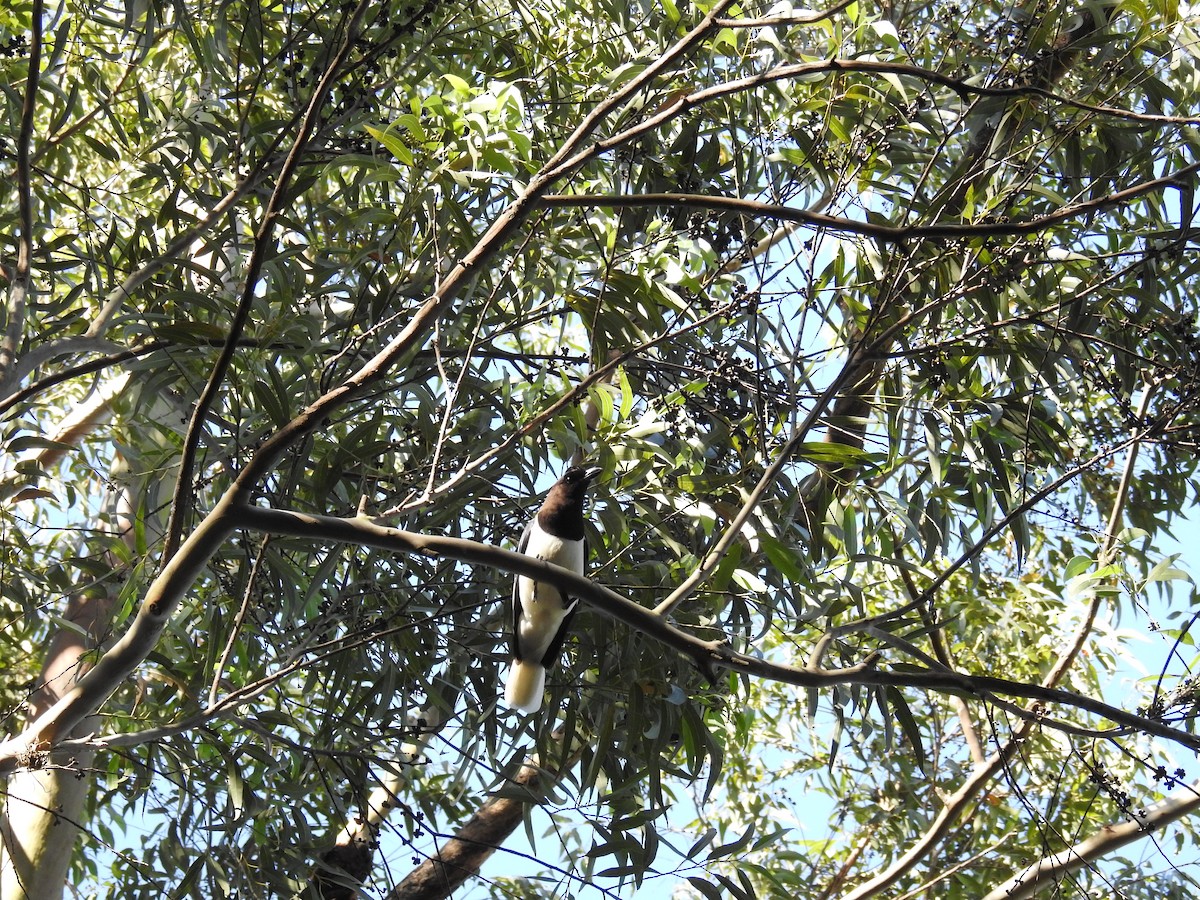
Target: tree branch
x=462 y=856
x=942 y=823
x=1107 y=548
x=184 y=567
x=1052 y=869
x=42 y=807
x=86 y=695
x=706 y=654
x=685 y=103
x=79 y=423
x=1035 y=876
x=77 y=345
x=883 y=233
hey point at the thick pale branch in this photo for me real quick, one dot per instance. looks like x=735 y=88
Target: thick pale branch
x=79 y=423
x=1052 y=869
x=41 y=809
x=76 y=345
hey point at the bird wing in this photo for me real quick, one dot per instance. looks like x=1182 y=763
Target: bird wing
x=554 y=651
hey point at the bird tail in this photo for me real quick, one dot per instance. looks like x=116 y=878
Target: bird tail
x=526 y=684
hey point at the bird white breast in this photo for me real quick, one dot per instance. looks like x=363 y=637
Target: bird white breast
x=543 y=545
x=541 y=604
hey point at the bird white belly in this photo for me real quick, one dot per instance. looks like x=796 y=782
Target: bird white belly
x=541 y=615
x=542 y=609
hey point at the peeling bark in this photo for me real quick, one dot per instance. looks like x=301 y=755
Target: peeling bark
x=44 y=804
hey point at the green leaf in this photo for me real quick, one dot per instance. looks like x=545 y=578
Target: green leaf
x=832 y=452
x=457 y=84
x=627 y=393
x=703 y=841
x=1164 y=570
x=35 y=442
x=908 y=724
x=1077 y=566
x=729 y=849
x=190 y=879
x=784 y=559
x=709 y=890
x=393 y=143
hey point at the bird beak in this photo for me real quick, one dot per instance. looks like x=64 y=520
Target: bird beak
x=590 y=473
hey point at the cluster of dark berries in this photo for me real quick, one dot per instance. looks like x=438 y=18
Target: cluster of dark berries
x=16 y=45
x=1170 y=780
x=1110 y=784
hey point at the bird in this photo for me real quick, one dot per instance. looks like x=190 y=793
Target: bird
x=541 y=613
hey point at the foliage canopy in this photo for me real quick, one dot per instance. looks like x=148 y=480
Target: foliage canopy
x=880 y=320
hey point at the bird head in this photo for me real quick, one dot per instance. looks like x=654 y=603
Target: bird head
x=576 y=479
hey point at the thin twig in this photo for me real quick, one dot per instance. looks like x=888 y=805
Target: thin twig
x=238 y=621
x=885 y=233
